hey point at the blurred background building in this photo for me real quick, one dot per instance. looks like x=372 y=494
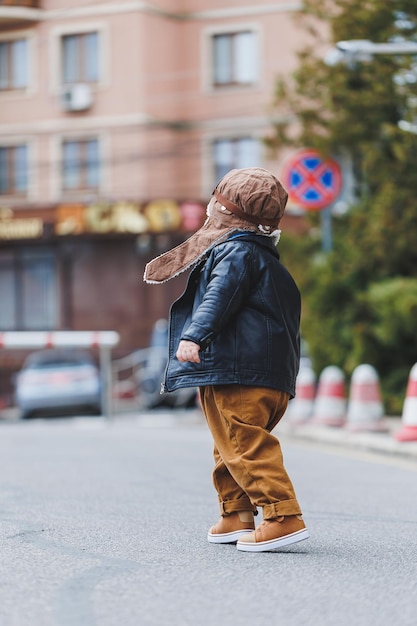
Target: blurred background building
x=116 y=121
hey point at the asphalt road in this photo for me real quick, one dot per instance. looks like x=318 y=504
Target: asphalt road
x=104 y=524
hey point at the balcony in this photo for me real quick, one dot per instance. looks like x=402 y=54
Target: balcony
x=16 y=13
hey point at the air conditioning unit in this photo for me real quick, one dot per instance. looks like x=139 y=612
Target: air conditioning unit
x=77 y=97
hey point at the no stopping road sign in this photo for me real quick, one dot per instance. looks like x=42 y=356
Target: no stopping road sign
x=311 y=181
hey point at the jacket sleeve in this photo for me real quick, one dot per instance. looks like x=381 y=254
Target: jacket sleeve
x=230 y=280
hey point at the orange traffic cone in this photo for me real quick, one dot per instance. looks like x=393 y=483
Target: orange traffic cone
x=300 y=409
x=330 y=404
x=408 y=432
x=365 y=409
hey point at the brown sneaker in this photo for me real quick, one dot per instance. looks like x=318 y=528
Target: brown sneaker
x=230 y=527
x=274 y=533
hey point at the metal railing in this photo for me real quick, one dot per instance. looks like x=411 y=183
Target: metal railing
x=137 y=380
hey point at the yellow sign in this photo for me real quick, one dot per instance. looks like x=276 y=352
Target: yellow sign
x=163 y=215
x=123 y=217
x=70 y=219
x=23 y=228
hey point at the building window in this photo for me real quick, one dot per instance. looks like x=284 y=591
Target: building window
x=235 y=153
x=80 y=165
x=13 y=64
x=235 y=59
x=13 y=170
x=28 y=290
x=80 y=58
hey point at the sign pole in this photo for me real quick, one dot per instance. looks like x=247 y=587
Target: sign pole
x=326 y=229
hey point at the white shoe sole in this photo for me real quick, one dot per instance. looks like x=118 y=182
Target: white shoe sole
x=273 y=544
x=228 y=537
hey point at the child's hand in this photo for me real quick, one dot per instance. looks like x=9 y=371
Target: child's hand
x=188 y=351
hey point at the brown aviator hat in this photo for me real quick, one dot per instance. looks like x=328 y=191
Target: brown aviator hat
x=245 y=199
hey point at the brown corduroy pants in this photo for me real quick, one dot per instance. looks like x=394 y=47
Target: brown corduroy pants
x=249 y=471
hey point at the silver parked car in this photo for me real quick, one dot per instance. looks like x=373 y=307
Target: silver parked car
x=55 y=379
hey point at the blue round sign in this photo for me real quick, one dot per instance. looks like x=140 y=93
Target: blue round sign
x=312 y=182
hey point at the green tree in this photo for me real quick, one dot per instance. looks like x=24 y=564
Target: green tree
x=360 y=300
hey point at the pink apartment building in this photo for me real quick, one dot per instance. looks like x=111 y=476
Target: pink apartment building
x=117 y=118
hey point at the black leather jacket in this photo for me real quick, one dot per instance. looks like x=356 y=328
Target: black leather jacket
x=243 y=308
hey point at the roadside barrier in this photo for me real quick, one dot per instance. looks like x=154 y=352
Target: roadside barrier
x=300 y=409
x=330 y=403
x=408 y=430
x=103 y=340
x=365 y=408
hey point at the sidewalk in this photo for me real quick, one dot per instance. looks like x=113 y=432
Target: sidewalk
x=380 y=442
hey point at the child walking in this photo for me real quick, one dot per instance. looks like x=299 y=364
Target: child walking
x=234 y=333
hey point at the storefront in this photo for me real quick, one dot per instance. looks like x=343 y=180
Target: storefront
x=80 y=267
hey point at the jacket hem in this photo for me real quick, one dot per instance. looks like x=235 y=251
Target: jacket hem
x=280 y=384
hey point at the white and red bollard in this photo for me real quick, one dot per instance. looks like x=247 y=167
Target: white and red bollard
x=330 y=404
x=408 y=430
x=300 y=409
x=365 y=408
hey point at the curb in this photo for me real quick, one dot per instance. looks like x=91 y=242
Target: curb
x=377 y=442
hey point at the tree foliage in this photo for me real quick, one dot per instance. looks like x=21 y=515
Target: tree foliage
x=360 y=300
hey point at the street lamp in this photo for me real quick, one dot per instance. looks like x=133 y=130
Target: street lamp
x=353 y=51
x=350 y=51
